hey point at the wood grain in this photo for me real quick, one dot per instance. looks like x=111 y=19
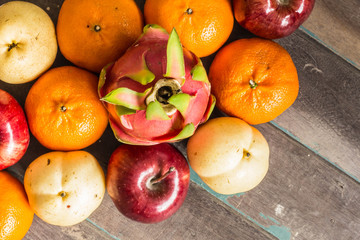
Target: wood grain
x=337 y=24
x=326 y=115
x=200 y=217
x=304 y=196
x=83 y=230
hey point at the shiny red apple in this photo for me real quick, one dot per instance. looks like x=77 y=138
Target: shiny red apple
x=272 y=18
x=147 y=183
x=14 y=131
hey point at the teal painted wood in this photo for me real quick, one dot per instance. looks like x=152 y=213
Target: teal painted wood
x=338 y=27
x=303 y=196
x=84 y=230
x=200 y=217
x=326 y=115
x=302 y=193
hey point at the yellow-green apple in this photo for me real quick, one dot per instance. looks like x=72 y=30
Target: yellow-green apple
x=28 y=43
x=147 y=183
x=14 y=131
x=229 y=155
x=272 y=18
x=64 y=188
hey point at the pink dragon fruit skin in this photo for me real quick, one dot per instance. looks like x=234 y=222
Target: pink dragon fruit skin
x=157 y=91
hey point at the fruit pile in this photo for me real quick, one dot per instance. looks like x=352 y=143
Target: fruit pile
x=150 y=84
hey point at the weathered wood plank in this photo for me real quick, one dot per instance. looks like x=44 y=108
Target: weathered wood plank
x=83 y=230
x=337 y=24
x=302 y=194
x=326 y=115
x=200 y=217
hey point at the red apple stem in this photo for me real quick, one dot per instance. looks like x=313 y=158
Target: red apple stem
x=283 y=2
x=162 y=177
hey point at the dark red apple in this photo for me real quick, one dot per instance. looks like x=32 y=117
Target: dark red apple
x=14 y=131
x=272 y=18
x=147 y=183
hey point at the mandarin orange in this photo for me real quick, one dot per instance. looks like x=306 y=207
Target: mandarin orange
x=16 y=216
x=254 y=79
x=203 y=26
x=64 y=111
x=94 y=33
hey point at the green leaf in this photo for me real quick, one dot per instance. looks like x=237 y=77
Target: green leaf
x=127 y=98
x=153 y=26
x=198 y=73
x=143 y=76
x=175 y=66
x=186 y=132
x=181 y=101
x=154 y=111
x=102 y=77
x=121 y=110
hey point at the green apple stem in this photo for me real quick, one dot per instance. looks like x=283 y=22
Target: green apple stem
x=162 y=177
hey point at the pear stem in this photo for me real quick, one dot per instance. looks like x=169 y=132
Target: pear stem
x=162 y=177
x=62 y=194
x=11 y=46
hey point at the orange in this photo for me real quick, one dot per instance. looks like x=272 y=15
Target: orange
x=203 y=26
x=64 y=111
x=93 y=33
x=254 y=79
x=16 y=216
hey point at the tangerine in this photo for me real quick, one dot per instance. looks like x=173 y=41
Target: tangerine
x=203 y=26
x=64 y=111
x=94 y=33
x=16 y=215
x=254 y=79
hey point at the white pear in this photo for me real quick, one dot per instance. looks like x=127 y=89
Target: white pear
x=28 y=45
x=229 y=155
x=64 y=188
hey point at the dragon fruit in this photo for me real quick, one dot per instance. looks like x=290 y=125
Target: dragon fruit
x=157 y=91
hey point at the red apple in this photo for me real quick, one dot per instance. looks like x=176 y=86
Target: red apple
x=147 y=183
x=14 y=131
x=272 y=18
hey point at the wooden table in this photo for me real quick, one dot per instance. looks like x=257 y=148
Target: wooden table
x=312 y=188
